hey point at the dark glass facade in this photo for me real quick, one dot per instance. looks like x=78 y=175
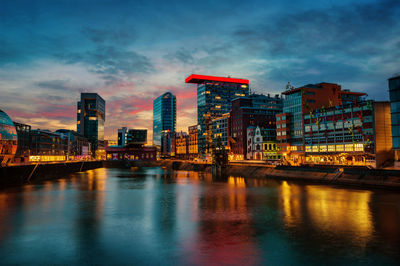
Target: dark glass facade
x=164 y=116
x=24 y=139
x=394 y=92
x=213 y=100
x=8 y=138
x=91 y=115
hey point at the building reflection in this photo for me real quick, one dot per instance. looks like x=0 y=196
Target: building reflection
x=345 y=213
x=224 y=226
x=89 y=211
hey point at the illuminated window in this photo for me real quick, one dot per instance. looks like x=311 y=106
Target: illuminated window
x=322 y=148
x=78 y=122
x=331 y=148
x=359 y=147
x=339 y=148
x=244 y=86
x=217 y=97
x=315 y=148
x=79 y=111
x=208 y=92
x=92 y=118
x=308 y=149
x=348 y=147
x=218 y=106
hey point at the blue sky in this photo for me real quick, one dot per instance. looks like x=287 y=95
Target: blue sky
x=132 y=51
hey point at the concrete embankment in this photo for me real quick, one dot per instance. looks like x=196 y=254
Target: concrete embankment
x=20 y=174
x=355 y=177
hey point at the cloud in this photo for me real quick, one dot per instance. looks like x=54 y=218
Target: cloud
x=340 y=44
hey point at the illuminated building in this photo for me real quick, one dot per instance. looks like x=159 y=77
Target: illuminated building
x=44 y=142
x=131 y=153
x=300 y=101
x=220 y=129
x=182 y=145
x=77 y=145
x=253 y=110
x=193 y=141
x=91 y=115
x=8 y=138
x=394 y=93
x=214 y=98
x=164 y=116
x=350 y=134
x=254 y=143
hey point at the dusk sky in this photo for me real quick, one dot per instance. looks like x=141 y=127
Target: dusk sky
x=130 y=52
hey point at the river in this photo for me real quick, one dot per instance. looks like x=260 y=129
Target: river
x=155 y=217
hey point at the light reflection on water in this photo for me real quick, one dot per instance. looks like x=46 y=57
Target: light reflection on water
x=152 y=216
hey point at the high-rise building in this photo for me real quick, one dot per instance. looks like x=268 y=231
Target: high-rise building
x=253 y=110
x=394 y=93
x=214 y=98
x=91 y=115
x=164 y=116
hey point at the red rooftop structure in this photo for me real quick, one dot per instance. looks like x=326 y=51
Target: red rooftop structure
x=198 y=79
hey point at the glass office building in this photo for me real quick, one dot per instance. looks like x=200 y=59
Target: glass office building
x=394 y=92
x=8 y=138
x=164 y=116
x=91 y=115
x=214 y=98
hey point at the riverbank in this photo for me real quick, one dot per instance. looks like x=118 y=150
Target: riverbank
x=355 y=177
x=21 y=174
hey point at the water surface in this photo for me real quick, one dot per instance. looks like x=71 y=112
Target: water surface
x=152 y=216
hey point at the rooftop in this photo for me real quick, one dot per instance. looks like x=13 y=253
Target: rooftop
x=198 y=79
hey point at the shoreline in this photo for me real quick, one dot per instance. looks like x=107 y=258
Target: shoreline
x=347 y=177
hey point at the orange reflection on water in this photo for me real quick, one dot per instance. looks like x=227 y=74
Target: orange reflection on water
x=236 y=182
x=342 y=211
x=291 y=203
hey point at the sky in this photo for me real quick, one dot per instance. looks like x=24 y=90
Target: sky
x=130 y=52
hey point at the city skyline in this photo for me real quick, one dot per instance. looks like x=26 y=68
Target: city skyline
x=141 y=51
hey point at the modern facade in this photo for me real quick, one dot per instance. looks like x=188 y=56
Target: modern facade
x=136 y=137
x=394 y=93
x=349 y=134
x=122 y=136
x=193 y=141
x=253 y=110
x=221 y=130
x=167 y=150
x=300 y=101
x=214 y=98
x=46 y=143
x=91 y=115
x=24 y=141
x=164 y=116
x=77 y=146
x=8 y=139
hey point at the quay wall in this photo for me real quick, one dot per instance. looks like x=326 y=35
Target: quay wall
x=356 y=177
x=21 y=174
